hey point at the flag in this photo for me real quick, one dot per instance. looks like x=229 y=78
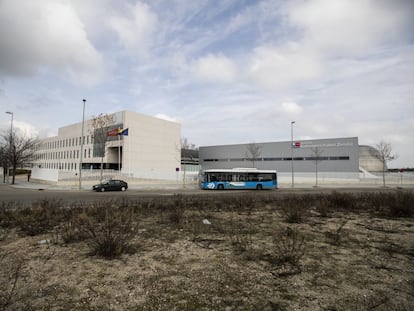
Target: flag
x=123 y=132
x=114 y=132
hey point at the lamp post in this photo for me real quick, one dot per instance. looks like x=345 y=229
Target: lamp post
x=10 y=142
x=291 y=152
x=82 y=141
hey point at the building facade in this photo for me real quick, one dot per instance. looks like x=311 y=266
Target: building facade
x=151 y=148
x=338 y=157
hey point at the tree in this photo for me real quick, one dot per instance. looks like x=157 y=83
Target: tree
x=18 y=151
x=317 y=158
x=385 y=155
x=186 y=151
x=253 y=151
x=4 y=163
x=98 y=130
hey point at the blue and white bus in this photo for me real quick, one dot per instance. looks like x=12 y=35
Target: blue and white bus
x=238 y=178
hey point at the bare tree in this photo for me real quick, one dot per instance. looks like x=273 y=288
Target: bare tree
x=316 y=159
x=186 y=152
x=253 y=152
x=385 y=155
x=4 y=160
x=18 y=151
x=99 y=127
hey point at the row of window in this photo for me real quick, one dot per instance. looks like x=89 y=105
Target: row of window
x=60 y=166
x=67 y=142
x=61 y=155
x=331 y=158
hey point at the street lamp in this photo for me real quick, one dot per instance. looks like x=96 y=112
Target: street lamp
x=10 y=142
x=291 y=152
x=82 y=141
x=11 y=123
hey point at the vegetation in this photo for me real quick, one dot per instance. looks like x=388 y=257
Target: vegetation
x=17 y=151
x=385 y=155
x=250 y=251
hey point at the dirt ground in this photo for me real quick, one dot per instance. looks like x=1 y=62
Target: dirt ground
x=242 y=254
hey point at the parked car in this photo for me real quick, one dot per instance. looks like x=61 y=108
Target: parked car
x=111 y=185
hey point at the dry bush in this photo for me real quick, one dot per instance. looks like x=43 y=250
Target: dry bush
x=40 y=218
x=336 y=237
x=69 y=229
x=400 y=204
x=342 y=201
x=10 y=274
x=244 y=203
x=174 y=209
x=322 y=206
x=289 y=246
x=109 y=228
x=240 y=236
x=295 y=209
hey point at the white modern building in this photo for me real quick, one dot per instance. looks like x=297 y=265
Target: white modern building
x=150 y=150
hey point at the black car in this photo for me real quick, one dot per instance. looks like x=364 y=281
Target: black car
x=111 y=185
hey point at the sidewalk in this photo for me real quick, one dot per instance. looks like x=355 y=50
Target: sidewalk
x=21 y=182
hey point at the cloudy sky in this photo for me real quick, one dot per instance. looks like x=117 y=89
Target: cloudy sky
x=230 y=71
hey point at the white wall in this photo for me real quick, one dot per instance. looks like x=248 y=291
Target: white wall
x=45 y=174
x=152 y=148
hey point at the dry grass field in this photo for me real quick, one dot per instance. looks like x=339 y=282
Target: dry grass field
x=237 y=251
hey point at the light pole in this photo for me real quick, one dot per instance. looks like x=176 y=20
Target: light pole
x=10 y=143
x=291 y=152
x=82 y=141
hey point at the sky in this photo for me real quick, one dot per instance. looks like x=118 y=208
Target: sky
x=230 y=71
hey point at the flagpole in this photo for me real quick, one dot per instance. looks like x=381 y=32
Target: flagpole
x=119 y=153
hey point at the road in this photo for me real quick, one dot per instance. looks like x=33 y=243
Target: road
x=25 y=195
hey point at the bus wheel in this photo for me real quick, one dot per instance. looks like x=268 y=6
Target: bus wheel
x=220 y=187
x=259 y=187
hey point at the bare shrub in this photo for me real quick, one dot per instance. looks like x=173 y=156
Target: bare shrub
x=323 y=207
x=10 y=274
x=240 y=237
x=109 y=228
x=400 y=204
x=246 y=202
x=41 y=217
x=295 y=209
x=289 y=247
x=6 y=214
x=342 y=201
x=69 y=229
x=174 y=210
x=336 y=237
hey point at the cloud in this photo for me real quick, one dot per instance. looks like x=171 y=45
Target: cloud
x=291 y=108
x=135 y=31
x=347 y=26
x=214 y=68
x=322 y=33
x=281 y=67
x=46 y=35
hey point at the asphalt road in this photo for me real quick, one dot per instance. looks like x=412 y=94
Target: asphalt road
x=27 y=195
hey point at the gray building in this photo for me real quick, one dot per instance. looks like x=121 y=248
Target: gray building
x=338 y=157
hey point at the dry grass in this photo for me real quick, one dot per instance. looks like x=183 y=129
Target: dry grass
x=336 y=252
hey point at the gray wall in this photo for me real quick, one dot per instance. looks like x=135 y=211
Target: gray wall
x=338 y=155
